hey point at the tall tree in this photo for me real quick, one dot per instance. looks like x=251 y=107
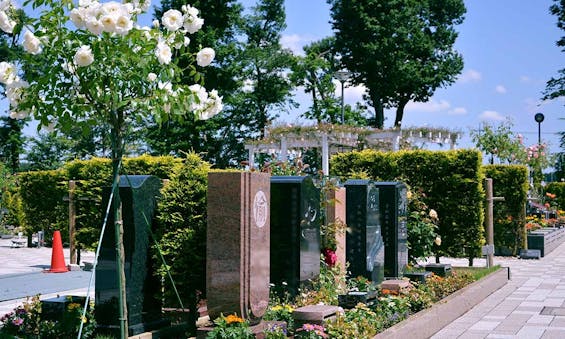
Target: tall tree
x=400 y=50
x=555 y=87
x=266 y=65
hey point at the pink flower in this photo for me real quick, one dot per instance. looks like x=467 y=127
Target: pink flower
x=17 y=321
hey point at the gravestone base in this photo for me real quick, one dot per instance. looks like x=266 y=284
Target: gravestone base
x=396 y=286
x=351 y=299
x=530 y=254
x=418 y=277
x=443 y=270
x=257 y=330
x=315 y=314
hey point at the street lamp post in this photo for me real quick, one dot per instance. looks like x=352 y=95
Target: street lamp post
x=342 y=76
x=539 y=119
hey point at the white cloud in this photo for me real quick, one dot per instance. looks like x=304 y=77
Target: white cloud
x=294 y=42
x=500 y=89
x=524 y=79
x=430 y=106
x=469 y=76
x=492 y=116
x=457 y=111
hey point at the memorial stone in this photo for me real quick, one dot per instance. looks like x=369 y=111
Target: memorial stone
x=295 y=231
x=364 y=243
x=393 y=206
x=335 y=212
x=237 y=251
x=138 y=194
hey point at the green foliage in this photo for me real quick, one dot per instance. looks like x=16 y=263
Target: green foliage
x=555 y=87
x=25 y=321
x=557 y=189
x=499 y=142
x=181 y=232
x=409 y=42
x=230 y=327
x=359 y=322
x=442 y=287
x=442 y=177
x=422 y=228
x=280 y=312
x=510 y=182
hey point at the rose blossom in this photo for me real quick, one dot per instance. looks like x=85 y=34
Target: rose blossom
x=83 y=57
x=205 y=56
x=172 y=20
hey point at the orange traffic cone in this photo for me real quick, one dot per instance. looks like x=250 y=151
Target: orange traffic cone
x=57 y=257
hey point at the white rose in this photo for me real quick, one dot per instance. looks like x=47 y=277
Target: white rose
x=156 y=23
x=94 y=26
x=190 y=11
x=109 y=23
x=31 y=43
x=186 y=41
x=205 y=57
x=76 y=16
x=433 y=214
x=193 y=24
x=172 y=20
x=151 y=77
x=163 y=53
x=123 y=24
x=83 y=57
x=6 y=24
x=7 y=73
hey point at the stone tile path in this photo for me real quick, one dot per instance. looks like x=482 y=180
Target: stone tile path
x=515 y=311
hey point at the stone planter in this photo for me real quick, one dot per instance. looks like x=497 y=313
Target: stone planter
x=546 y=239
x=426 y=323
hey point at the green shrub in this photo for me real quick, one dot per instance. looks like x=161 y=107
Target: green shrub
x=557 y=188
x=450 y=180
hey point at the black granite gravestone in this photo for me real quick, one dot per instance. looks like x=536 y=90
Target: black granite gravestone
x=295 y=231
x=138 y=194
x=364 y=243
x=393 y=206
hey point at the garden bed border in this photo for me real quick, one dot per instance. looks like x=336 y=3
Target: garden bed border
x=426 y=323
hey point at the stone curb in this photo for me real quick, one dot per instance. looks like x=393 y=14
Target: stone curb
x=426 y=323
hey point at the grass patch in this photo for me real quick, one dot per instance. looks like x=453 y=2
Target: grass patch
x=477 y=272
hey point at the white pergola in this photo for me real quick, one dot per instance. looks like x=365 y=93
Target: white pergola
x=333 y=139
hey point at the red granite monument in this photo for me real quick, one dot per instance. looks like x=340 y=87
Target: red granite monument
x=237 y=252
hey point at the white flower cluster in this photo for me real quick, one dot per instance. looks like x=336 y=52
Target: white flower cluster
x=6 y=23
x=14 y=88
x=109 y=17
x=205 y=104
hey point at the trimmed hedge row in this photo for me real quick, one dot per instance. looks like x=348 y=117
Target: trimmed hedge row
x=510 y=182
x=450 y=180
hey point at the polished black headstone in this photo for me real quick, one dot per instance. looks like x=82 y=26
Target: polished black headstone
x=393 y=203
x=364 y=242
x=138 y=194
x=295 y=231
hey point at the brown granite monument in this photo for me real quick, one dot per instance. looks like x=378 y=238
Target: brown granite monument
x=335 y=212
x=237 y=252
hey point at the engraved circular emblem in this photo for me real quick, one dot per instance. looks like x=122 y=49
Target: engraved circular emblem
x=260 y=209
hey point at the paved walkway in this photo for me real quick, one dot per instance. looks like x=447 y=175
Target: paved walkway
x=514 y=311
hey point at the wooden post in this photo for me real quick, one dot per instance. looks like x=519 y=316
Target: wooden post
x=489 y=219
x=72 y=222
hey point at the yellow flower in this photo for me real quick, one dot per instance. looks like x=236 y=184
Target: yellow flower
x=232 y=318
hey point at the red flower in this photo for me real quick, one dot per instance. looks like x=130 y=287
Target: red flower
x=329 y=256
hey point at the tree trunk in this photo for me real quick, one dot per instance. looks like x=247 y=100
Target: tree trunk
x=117 y=152
x=400 y=113
x=379 y=110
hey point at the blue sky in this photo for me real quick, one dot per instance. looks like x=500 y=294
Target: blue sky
x=509 y=52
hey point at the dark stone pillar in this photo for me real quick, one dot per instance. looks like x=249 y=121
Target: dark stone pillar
x=138 y=194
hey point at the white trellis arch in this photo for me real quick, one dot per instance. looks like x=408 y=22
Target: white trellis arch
x=333 y=139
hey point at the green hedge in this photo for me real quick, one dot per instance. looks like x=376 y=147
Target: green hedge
x=510 y=182
x=557 y=188
x=42 y=194
x=450 y=180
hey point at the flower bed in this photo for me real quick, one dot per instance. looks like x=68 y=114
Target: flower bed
x=546 y=239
